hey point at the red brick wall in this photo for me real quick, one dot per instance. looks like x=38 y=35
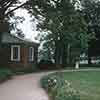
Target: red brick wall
x=24 y=59
x=5 y=57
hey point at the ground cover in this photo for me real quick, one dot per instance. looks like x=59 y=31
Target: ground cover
x=85 y=83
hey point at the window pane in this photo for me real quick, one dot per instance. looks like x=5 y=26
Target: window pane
x=31 y=54
x=15 y=53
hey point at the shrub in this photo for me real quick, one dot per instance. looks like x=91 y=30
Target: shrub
x=49 y=65
x=66 y=92
x=25 y=70
x=58 y=88
x=45 y=62
x=5 y=74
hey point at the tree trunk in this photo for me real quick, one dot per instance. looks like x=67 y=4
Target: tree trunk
x=58 y=53
x=0 y=39
x=68 y=54
x=89 y=60
x=89 y=57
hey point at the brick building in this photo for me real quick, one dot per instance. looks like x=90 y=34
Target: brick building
x=16 y=52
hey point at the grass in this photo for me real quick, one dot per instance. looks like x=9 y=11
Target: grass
x=86 y=82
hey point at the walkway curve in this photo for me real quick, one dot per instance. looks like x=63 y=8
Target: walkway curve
x=27 y=87
x=24 y=87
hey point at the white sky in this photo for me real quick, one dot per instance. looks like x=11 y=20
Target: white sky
x=27 y=27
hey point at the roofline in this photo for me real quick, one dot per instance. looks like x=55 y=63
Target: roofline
x=24 y=39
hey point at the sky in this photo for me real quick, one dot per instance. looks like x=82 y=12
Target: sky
x=28 y=28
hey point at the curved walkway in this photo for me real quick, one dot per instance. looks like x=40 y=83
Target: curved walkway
x=27 y=87
x=24 y=87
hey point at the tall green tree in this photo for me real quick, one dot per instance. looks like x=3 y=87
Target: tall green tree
x=91 y=12
x=64 y=25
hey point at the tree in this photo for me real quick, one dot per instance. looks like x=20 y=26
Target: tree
x=64 y=26
x=7 y=11
x=7 y=8
x=91 y=12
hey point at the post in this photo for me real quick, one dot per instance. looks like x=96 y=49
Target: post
x=77 y=63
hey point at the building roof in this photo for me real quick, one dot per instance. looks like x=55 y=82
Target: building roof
x=10 y=38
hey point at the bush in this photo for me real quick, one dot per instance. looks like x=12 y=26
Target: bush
x=5 y=74
x=25 y=70
x=58 y=88
x=49 y=65
x=46 y=64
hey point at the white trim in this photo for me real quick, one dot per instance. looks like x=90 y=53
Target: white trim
x=32 y=56
x=12 y=52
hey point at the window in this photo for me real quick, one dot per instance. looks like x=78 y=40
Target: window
x=31 y=54
x=15 y=53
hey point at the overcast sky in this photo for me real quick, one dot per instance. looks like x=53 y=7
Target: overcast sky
x=27 y=27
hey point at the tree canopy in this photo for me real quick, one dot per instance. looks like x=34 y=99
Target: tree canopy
x=7 y=8
x=64 y=25
x=91 y=12
x=7 y=11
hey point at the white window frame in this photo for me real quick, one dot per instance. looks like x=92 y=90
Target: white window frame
x=32 y=56
x=12 y=52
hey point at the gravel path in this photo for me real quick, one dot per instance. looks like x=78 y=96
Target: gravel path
x=24 y=87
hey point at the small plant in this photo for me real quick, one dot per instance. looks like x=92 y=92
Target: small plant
x=58 y=88
x=66 y=93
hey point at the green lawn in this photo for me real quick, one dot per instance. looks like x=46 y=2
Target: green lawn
x=86 y=82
